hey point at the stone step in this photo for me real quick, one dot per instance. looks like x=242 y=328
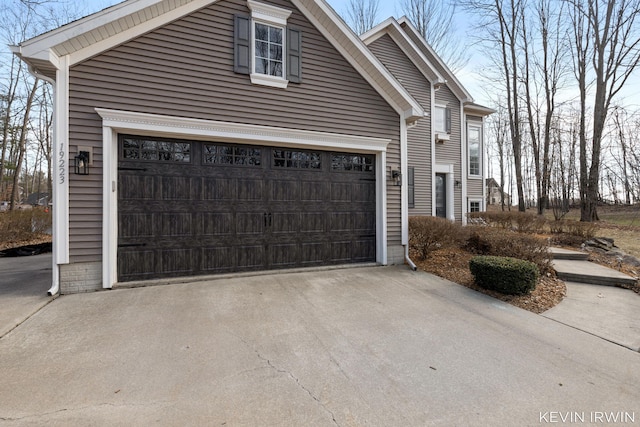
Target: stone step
x=566 y=254
x=588 y=272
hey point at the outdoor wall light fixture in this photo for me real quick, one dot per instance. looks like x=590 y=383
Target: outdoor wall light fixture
x=82 y=163
x=458 y=184
x=397 y=177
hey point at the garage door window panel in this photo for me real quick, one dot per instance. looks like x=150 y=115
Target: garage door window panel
x=292 y=159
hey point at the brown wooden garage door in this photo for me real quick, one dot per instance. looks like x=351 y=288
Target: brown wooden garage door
x=191 y=208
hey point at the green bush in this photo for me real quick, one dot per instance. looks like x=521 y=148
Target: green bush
x=507 y=243
x=427 y=233
x=504 y=274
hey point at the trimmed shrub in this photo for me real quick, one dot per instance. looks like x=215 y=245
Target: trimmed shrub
x=427 y=233
x=506 y=243
x=504 y=274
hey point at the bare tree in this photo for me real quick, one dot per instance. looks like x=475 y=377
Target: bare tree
x=362 y=15
x=434 y=20
x=606 y=45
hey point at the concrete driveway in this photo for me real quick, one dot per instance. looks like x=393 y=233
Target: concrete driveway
x=24 y=282
x=375 y=346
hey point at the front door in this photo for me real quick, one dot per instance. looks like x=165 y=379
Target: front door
x=441 y=195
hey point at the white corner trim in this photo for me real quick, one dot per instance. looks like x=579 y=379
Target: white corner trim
x=404 y=189
x=154 y=124
x=268 y=13
x=61 y=166
x=115 y=121
x=266 y=80
x=381 y=208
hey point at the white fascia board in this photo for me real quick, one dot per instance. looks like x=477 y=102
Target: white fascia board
x=360 y=57
x=42 y=47
x=128 y=121
x=458 y=89
x=84 y=25
x=136 y=31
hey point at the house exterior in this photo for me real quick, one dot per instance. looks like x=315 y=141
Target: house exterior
x=494 y=193
x=450 y=144
x=199 y=137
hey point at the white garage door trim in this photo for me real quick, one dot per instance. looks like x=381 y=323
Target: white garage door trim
x=116 y=121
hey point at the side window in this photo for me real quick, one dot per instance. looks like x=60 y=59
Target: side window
x=266 y=48
x=411 y=187
x=442 y=122
x=474 y=142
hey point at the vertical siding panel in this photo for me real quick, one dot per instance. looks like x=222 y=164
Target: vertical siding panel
x=185 y=69
x=419 y=137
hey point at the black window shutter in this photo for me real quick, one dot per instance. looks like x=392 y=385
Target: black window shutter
x=412 y=187
x=294 y=55
x=448 y=120
x=242 y=45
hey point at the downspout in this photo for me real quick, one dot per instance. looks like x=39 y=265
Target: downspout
x=55 y=274
x=404 y=189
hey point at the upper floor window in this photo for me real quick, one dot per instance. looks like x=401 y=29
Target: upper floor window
x=268 y=51
x=474 y=142
x=442 y=121
x=267 y=48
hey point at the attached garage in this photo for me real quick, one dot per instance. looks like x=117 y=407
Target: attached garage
x=197 y=207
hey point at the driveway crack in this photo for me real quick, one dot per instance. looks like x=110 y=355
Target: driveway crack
x=294 y=378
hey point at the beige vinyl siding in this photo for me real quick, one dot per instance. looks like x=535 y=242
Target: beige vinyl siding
x=419 y=136
x=449 y=152
x=185 y=69
x=474 y=185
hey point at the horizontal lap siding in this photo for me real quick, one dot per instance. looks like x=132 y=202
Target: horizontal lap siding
x=449 y=152
x=419 y=136
x=185 y=69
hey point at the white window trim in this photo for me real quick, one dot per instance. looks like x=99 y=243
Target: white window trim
x=275 y=17
x=448 y=170
x=436 y=106
x=480 y=150
x=115 y=121
x=475 y=200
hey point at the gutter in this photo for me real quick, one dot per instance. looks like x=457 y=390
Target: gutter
x=55 y=278
x=408 y=260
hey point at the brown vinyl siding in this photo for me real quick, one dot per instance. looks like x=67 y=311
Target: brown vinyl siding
x=419 y=136
x=449 y=152
x=185 y=69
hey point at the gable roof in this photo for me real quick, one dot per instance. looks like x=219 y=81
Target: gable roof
x=452 y=81
x=101 y=31
x=392 y=28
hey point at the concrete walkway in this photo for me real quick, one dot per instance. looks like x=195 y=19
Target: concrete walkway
x=593 y=304
x=377 y=346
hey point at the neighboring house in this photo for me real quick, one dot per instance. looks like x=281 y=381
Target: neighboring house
x=445 y=164
x=232 y=135
x=37 y=199
x=494 y=193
